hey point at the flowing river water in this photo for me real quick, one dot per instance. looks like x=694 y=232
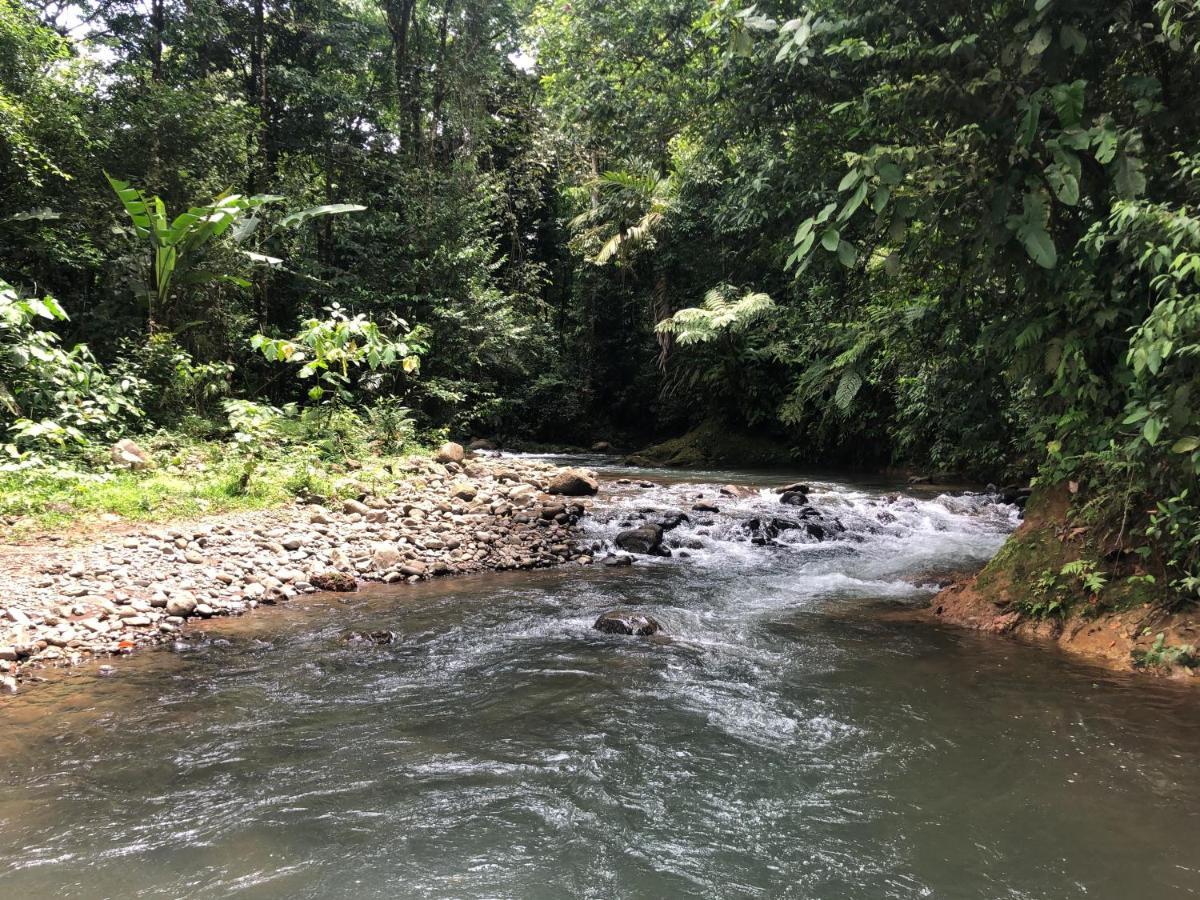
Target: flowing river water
x=781 y=738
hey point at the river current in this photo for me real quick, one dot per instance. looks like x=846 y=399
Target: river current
x=784 y=736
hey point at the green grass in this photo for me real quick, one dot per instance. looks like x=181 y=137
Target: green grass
x=197 y=480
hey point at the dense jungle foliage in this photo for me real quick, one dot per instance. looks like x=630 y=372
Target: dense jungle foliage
x=949 y=235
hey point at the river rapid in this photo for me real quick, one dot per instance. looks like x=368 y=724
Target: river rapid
x=782 y=737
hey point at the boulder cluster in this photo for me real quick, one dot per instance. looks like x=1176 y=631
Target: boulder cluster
x=437 y=518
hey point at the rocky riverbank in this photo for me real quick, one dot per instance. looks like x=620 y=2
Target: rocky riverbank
x=66 y=605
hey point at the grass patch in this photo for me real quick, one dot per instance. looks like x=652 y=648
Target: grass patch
x=200 y=480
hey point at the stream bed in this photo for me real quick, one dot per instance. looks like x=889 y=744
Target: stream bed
x=780 y=738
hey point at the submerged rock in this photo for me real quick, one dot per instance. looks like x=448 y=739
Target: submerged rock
x=672 y=520
x=645 y=539
x=793 y=498
x=624 y=621
x=378 y=638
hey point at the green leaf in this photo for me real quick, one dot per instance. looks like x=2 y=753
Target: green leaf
x=847 y=255
x=1185 y=445
x=1064 y=183
x=847 y=389
x=1072 y=39
x=1040 y=246
x=1029 y=123
x=1069 y=101
x=830 y=239
x=853 y=203
x=880 y=200
x=889 y=173
x=849 y=180
x=1040 y=41
x=298 y=218
x=1130 y=181
x=824 y=214
x=1151 y=430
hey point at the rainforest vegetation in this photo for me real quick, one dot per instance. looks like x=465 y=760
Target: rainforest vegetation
x=950 y=236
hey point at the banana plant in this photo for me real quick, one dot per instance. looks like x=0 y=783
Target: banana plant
x=176 y=242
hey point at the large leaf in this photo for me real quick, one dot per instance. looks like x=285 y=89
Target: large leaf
x=1040 y=247
x=135 y=205
x=298 y=218
x=847 y=388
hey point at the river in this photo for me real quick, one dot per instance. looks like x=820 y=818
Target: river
x=781 y=738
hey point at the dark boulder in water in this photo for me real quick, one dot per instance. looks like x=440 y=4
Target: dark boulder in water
x=615 y=560
x=794 y=498
x=645 y=539
x=672 y=520
x=796 y=487
x=624 y=621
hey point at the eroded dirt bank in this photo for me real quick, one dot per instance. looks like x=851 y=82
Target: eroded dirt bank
x=65 y=605
x=1117 y=626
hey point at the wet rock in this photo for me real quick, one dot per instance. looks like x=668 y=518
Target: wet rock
x=798 y=487
x=672 y=520
x=645 y=539
x=617 y=560
x=573 y=483
x=450 y=452
x=793 y=498
x=375 y=638
x=337 y=582
x=602 y=447
x=738 y=491
x=621 y=621
x=704 y=506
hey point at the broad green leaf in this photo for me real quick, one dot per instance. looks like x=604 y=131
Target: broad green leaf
x=1072 y=39
x=849 y=180
x=1185 y=445
x=1040 y=247
x=890 y=174
x=1040 y=41
x=847 y=255
x=1151 y=430
x=298 y=218
x=830 y=239
x=1130 y=181
x=853 y=203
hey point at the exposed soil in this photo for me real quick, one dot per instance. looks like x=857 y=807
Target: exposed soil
x=1114 y=630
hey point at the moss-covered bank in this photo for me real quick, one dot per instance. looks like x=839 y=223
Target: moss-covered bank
x=1069 y=583
x=714 y=443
